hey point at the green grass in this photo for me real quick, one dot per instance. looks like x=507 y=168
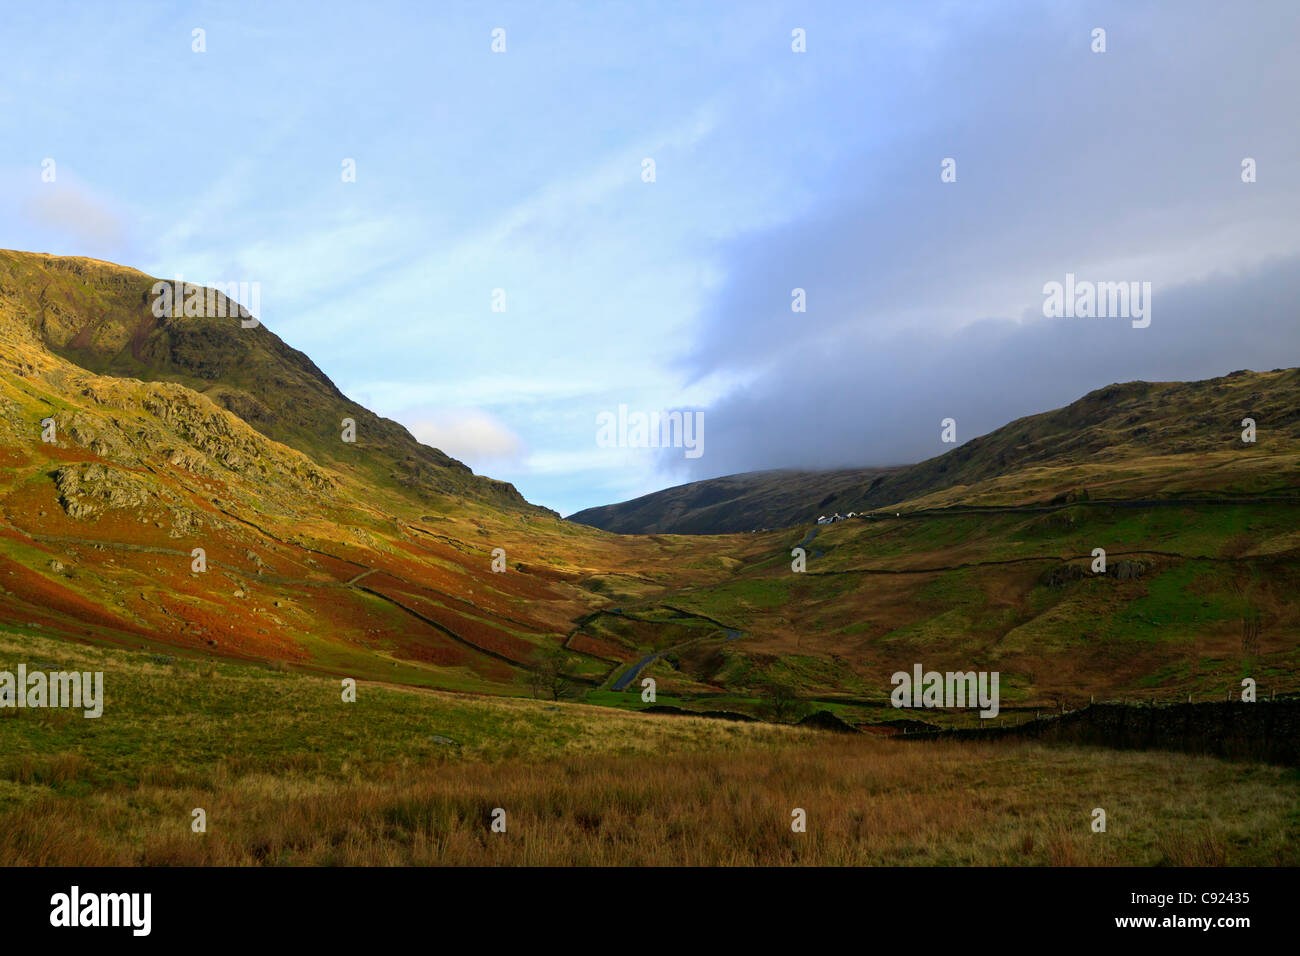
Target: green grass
x=1181 y=600
x=166 y=714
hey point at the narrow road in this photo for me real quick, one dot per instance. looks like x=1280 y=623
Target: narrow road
x=632 y=672
x=807 y=540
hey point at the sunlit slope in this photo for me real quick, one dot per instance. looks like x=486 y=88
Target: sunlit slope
x=1193 y=599
x=100 y=317
x=313 y=553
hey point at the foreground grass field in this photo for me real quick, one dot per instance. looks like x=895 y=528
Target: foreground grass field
x=287 y=773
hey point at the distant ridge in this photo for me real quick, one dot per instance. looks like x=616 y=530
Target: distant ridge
x=1124 y=440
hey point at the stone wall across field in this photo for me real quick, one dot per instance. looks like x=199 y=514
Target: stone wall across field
x=1266 y=730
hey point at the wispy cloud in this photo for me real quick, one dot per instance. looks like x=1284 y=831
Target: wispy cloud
x=469 y=434
x=75 y=214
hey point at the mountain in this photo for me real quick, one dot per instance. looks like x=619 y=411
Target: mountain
x=182 y=483
x=179 y=486
x=101 y=318
x=736 y=503
x=1139 y=439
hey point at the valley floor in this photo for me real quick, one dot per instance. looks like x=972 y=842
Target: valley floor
x=288 y=773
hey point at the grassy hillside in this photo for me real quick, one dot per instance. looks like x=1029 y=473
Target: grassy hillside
x=287 y=773
x=1194 y=598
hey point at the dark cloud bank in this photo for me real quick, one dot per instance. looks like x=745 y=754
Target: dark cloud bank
x=1119 y=166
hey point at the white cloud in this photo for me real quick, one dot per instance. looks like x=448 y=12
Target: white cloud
x=70 y=210
x=472 y=435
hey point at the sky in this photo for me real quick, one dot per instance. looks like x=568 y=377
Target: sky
x=505 y=267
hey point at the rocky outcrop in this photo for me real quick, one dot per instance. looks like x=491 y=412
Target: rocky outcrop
x=87 y=491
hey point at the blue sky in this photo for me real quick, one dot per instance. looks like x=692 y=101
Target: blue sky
x=522 y=171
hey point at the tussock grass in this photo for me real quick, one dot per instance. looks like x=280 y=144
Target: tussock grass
x=290 y=775
x=868 y=802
